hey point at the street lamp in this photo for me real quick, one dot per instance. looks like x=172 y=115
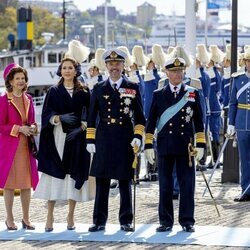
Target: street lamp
x=88 y=28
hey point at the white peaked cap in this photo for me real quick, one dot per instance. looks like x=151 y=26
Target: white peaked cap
x=202 y=54
x=179 y=51
x=99 y=62
x=77 y=51
x=216 y=54
x=129 y=60
x=158 y=55
x=139 y=56
x=228 y=52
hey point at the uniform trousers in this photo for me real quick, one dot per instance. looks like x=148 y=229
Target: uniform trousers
x=186 y=179
x=243 y=138
x=100 y=215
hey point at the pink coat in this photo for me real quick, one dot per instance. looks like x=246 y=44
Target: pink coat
x=10 y=121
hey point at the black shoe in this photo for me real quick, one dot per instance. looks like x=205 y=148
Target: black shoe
x=244 y=197
x=163 y=228
x=127 y=228
x=201 y=168
x=188 y=228
x=175 y=196
x=114 y=185
x=95 y=228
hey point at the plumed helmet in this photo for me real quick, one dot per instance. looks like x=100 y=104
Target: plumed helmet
x=139 y=56
x=202 y=54
x=179 y=51
x=77 y=51
x=216 y=55
x=170 y=49
x=158 y=55
x=247 y=54
x=129 y=60
x=100 y=63
x=228 y=52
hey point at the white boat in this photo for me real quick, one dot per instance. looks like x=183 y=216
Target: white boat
x=41 y=65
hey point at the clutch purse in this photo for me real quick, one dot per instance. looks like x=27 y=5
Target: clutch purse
x=32 y=146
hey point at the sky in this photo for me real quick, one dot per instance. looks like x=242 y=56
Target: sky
x=167 y=7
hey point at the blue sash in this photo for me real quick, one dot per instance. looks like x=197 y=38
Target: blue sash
x=173 y=110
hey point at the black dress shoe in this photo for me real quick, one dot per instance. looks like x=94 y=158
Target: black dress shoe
x=127 y=228
x=244 y=197
x=188 y=228
x=163 y=228
x=95 y=228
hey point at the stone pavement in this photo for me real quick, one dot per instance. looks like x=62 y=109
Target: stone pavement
x=232 y=214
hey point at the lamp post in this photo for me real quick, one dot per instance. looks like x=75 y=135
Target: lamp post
x=88 y=28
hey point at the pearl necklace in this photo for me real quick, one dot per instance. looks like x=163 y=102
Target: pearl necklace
x=17 y=95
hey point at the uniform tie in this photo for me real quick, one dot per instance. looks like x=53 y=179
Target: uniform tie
x=114 y=86
x=175 y=91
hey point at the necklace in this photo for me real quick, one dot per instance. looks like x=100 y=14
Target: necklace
x=16 y=95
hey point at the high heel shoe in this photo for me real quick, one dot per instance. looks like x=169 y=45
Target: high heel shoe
x=10 y=228
x=49 y=229
x=28 y=227
x=70 y=227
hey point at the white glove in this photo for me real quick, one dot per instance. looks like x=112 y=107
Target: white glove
x=200 y=153
x=230 y=130
x=150 y=155
x=136 y=141
x=91 y=148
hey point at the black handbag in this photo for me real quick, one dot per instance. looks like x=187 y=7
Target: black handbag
x=32 y=146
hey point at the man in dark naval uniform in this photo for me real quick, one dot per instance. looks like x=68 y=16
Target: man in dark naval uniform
x=176 y=111
x=118 y=104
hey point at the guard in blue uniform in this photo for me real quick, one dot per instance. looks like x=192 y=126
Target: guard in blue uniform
x=214 y=97
x=176 y=111
x=239 y=121
x=120 y=128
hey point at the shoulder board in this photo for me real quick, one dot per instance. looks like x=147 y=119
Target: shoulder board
x=238 y=73
x=195 y=83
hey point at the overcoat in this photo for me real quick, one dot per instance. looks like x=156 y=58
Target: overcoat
x=120 y=120
x=75 y=160
x=10 y=121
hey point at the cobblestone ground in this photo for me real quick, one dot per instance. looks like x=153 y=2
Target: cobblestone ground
x=232 y=215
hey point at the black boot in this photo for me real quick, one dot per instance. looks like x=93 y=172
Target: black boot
x=215 y=152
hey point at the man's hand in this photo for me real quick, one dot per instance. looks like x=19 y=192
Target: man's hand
x=91 y=148
x=73 y=134
x=150 y=155
x=230 y=130
x=200 y=153
x=136 y=142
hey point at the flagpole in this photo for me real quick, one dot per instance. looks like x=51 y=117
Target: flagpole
x=206 y=21
x=106 y=24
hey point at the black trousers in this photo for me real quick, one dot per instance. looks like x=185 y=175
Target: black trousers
x=100 y=215
x=186 y=179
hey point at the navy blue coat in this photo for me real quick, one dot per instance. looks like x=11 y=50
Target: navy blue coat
x=120 y=120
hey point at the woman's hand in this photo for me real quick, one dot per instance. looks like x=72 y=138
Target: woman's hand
x=26 y=130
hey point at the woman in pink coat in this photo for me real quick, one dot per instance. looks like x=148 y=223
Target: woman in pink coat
x=17 y=123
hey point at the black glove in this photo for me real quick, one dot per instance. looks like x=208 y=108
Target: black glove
x=69 y=119
x=73 y=134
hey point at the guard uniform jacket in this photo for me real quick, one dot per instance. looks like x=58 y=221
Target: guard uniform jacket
x=120 y=120
x=239 y=106
x=179 y=131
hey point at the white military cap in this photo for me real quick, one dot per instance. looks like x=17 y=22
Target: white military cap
x=202 y=54
x=139 y=56
x=175 y=64
x=77 y=51
x=179 y=51
x=129 y=60
x=216 y=55
x=158 y=55
x=114 y=55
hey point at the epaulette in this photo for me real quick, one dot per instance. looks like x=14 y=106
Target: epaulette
x=195 y=83
x=238 y=73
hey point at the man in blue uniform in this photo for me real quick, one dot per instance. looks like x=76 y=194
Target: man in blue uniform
x=239 y=121
x=121 y=124
x=176 y=111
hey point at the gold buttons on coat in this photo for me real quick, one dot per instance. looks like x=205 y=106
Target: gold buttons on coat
x=170 y=132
